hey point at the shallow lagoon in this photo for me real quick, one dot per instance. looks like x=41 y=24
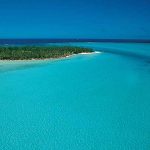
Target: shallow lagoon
x=98 y=101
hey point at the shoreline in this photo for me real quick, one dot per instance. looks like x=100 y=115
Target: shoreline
x=43 y=60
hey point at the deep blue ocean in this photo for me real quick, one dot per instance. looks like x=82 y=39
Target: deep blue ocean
x=85 y=102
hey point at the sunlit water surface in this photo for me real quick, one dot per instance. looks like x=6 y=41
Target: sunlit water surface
x=86 y=102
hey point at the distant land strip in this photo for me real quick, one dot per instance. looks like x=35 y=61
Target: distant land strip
x=38 y=41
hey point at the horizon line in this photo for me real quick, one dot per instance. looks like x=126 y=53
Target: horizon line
x=51 y=40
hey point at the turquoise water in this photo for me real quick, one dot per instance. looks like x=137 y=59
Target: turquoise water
x=86 y=102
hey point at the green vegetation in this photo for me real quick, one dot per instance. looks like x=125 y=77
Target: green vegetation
x=28 y=52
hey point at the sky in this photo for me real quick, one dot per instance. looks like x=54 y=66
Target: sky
x=97 y=19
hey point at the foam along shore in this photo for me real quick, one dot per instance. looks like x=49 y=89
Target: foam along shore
x=84 y=53
x=95 y=52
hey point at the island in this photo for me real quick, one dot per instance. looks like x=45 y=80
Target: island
x=40 y=52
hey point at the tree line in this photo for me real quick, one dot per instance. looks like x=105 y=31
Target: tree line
x=34 y=52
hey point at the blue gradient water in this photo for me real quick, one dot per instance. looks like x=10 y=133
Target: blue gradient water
x=86 y=102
